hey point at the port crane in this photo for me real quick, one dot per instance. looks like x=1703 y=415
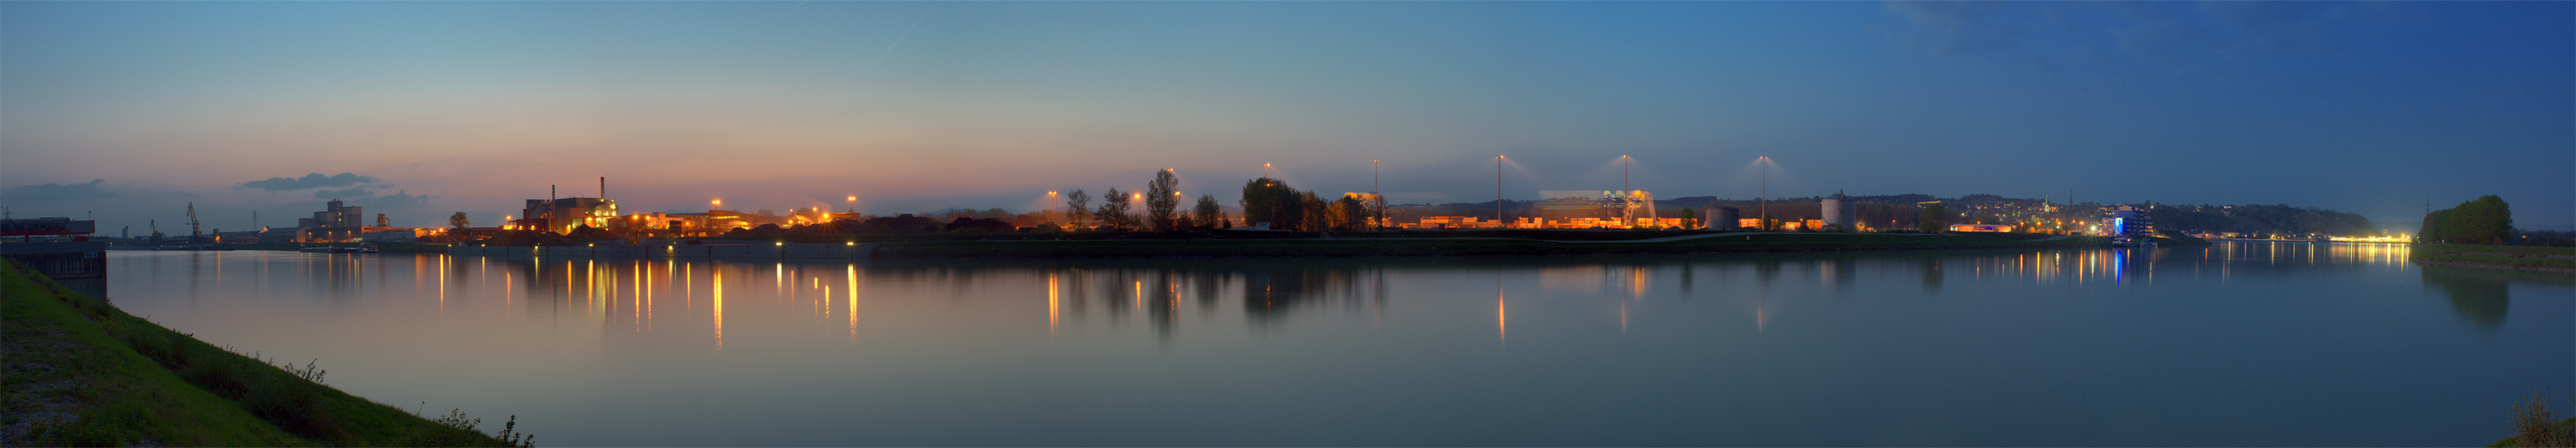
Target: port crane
x=192 y=222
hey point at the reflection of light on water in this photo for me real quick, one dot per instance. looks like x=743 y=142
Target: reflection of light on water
x=1636 y=283
x=442 y=284
x=717 y=302
x=638 y=304
x=853 y=286
x=1053 y=303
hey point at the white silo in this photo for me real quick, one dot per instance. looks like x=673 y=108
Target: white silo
x=1839 y=211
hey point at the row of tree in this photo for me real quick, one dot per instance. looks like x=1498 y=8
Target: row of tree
x=1162 y=201
x=2485 y=220
x=1267 y=200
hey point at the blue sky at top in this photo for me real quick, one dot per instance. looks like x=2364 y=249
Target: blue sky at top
x=2370 y=107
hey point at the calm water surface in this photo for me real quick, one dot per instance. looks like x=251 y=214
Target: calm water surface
x=2234 y=344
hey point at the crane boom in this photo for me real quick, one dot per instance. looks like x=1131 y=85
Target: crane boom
x=192 y=221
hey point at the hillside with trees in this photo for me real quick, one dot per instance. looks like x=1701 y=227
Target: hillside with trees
x=2280 y=220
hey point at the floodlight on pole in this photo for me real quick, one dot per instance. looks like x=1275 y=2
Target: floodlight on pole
x=1764 y=222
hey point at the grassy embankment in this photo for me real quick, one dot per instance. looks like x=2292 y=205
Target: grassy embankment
x=385 y=247
x=1452 y=246
x=82 y=373
x=2511 y=257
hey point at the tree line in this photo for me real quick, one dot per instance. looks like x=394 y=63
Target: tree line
x=2485 y=220
x=1267 y=200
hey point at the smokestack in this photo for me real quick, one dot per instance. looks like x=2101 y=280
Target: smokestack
x=603 y=188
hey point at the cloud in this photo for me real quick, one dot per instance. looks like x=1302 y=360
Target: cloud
x=400 y=201
x=61 y=192
x=314 y=180
x=335 y=194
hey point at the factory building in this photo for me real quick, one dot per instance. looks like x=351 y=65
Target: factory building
x=560 y=216
x=334 y=223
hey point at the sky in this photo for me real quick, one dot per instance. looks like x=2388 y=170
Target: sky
x=131 y=111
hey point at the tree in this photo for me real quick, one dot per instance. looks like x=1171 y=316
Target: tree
x=1317 y=214
x=1690 y=218
x=1114 y=209
x=1349 y=214
x=2485 y=220
x=1207 y=210
x=1077 y=208
x=1935 y=219
x=1267 y=200
x=458 y=221
x=1162 y=197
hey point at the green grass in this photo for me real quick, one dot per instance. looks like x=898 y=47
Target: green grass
x=2516 y=257
x=81 y=372
x=1341 y=247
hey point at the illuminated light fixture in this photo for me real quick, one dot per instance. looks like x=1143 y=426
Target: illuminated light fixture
x=782 y=243
x=853 y=243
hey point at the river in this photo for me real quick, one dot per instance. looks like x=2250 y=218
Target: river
x=2235 y=344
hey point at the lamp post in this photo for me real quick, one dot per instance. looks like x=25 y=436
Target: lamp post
x=1498 y=189
x=1764 y=222
x=854 y=205
x=1051 y=213
x=1265 y=171
x=1374 y=193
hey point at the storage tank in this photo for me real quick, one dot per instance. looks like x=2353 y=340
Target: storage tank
x=1839 y=211
x=1722 y=218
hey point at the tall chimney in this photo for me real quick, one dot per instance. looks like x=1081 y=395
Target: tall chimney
x=603 y=188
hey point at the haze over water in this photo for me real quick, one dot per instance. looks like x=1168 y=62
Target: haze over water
x=2235 y=344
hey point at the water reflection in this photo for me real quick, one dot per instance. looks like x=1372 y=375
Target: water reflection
x=943 y=347
x=2481 y=296
x=1169 y=297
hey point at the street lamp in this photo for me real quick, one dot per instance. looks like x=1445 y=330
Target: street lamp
x=1764 y=222
x=854 y=205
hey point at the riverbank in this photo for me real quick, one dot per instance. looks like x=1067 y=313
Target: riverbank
x=80 y=372
x=1467 y=246
x=396 y=248
x=2545 y=259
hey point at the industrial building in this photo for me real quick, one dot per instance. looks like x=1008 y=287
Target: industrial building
x=334 y=223
x=562 y=215
x=1839 y=211
x=1722 y=218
